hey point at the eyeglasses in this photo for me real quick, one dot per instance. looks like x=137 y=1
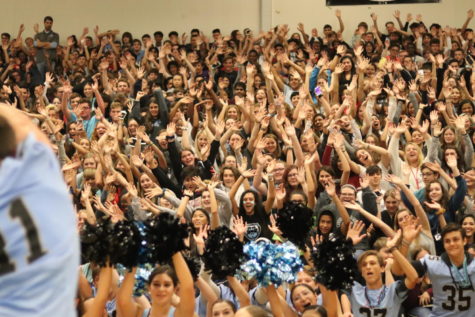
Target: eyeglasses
x=427 y=174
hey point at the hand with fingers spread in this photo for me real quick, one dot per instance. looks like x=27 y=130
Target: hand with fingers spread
x=200 y=238
x=273 y=226
x=354 y=231
x=239 y=227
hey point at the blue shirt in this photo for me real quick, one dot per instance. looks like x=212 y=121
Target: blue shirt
x=39 y=271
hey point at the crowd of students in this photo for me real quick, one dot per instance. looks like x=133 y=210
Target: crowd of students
x=375 y=134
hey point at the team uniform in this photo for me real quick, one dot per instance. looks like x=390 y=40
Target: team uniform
x=39 y=247
x=453 y=288
x=383 y=302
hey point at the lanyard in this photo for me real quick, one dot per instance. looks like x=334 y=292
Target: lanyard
x=415 y=177
x=380 y=297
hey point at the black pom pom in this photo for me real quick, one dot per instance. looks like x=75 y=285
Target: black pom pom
x=334 y=262
x=124 y=241
x=194 y=264
x=295 y=221
x=165 y=237
x=223 y=253
x=94 y=242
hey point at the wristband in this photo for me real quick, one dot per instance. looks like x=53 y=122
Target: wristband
x=189 y=196
x=405 y=243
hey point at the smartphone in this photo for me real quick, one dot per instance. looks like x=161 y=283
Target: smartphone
x=318 y=91
x=123 y=114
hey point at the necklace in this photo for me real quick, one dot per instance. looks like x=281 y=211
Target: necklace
x=381 y=296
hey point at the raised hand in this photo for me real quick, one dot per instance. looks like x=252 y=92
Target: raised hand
x=273 y=226
x=391 y=243
x=239 y=226
x=354 y=232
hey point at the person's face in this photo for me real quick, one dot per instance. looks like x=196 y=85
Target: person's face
x=375 y=179
x=189 y=184
x=88 y=91
x=450 y=153
x=411 y=153
x=391 y=204
x=294 y=82
x=304 y=278
x=303 y=297
x=292 y=177
x=85 y=112
x=271 y=145
x=232 y=113
x=435 y=48
x=364 y=157
x=428 y=175
x=177 y=81
x=239 y=91
x=101 y=129
x=228 y=65
x=371 y=269
x=48 y=25
x=324 y=177
x=153 y=108
x=249 y=202
x=455 y=95
x=325 y=224
x=162 y=288
x=230 y=161
x=228 y=178
x=199 y=218
x=84 y=143
x=435 y=192
x=417 y=137
x=449 y=136
x=89 y=163
x=187 y=158
x=454 y=244
x=458 y=55
x=115 y=114
x=122 y=87
x=75 y=102
x=132 y=127
x=346 y=65
x=146 y=182
x=467 y=109
x=469 y=225
x=347 y=195
x=260 y=95
x=279 y=171
x=394 y=51
x=222 y=309
x=308 y=142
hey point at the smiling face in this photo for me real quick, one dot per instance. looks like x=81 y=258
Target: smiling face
x=303 y=297
x=162 y=289
x=187 y=158
x=435 y=192
x=454 y=244
x=324 y=177
x=412 y=153
x=249 y=202
x=364 y=157
x=468 y=224
x=292 y=177
x=449 y=136
x=199 y=218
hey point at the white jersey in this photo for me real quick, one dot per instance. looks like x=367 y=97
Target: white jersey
x=384 y=302
x=450 y=298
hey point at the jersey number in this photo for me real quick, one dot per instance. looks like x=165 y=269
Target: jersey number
x=18 y=210
x=375 y=312
x=464 y=301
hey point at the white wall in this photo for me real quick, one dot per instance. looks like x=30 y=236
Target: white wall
x=147 y=16
x=314 y=13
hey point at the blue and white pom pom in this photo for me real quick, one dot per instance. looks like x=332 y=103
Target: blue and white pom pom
x=270 y=263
